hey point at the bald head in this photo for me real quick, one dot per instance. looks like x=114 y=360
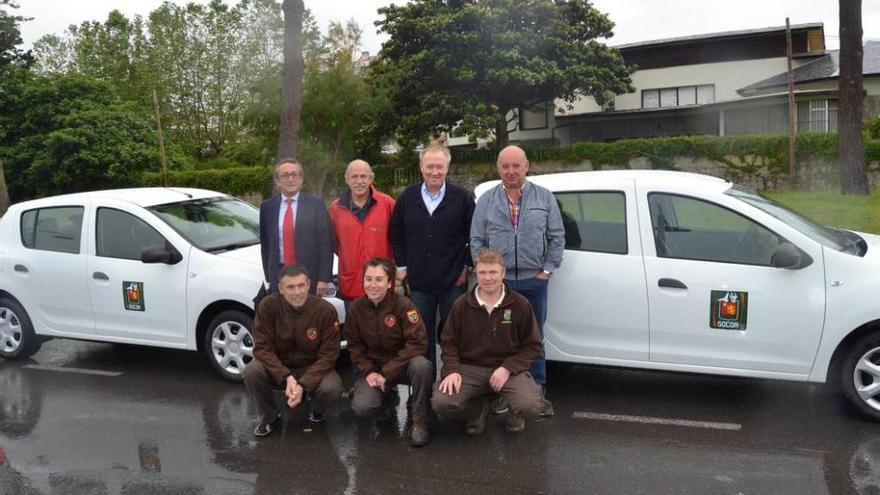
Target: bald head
x=512 y=167
x=359 y=178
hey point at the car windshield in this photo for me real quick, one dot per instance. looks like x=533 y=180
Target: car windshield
x=213 y=224
x=826 y=236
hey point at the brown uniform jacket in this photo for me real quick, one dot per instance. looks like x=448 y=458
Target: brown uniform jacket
x=384 y=338
x=286 y=338
x=508 y=337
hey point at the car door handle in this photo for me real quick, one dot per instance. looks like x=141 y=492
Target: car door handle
x=100 y=276
x=21 y=269
x=671 y=283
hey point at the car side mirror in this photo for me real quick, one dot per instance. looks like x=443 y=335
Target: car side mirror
x=167 y=255
x=788 y=256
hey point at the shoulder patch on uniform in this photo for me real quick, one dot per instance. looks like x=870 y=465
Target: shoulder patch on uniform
x=413 y=316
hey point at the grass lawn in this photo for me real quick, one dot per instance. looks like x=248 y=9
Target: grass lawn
x=831 y=208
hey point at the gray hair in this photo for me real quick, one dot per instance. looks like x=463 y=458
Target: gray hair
x=435 y=148
x=282 y=161
x=369 y=168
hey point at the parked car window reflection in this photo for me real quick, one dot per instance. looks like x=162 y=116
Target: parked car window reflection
x=52 y=229
x=689 y=228
x=594 y=220
x=123 y=235
x=213 y=224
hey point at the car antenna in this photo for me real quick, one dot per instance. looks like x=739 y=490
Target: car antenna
x=188 y=195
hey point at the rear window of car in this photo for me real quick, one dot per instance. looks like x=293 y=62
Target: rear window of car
x=57 y=228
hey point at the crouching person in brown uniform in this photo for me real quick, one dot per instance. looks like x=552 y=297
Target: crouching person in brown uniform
x=488 y=344
x=387 y=342
x=296 y=343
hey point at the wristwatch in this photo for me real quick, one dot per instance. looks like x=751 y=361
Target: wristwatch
x=546 y=272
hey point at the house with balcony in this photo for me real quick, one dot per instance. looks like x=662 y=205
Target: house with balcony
x=728 y=83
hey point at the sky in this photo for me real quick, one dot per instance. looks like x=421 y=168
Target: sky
x=636 y=20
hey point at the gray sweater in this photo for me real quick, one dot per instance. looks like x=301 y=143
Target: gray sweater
x=535 y=245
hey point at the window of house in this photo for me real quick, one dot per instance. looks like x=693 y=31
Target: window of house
x=693 y=229
x=53 y=229
x=533 y=116
x=594 y=221
x=817 y=115
x=678 y=96
x=123 y=235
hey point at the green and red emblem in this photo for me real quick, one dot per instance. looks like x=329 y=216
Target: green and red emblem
x=728 y=310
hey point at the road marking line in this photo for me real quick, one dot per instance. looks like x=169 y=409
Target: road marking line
x=711 y=425
x=81 y=371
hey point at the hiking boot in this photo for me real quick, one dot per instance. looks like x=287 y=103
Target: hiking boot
x=500 y=405
x=264 y=429
x=546 y=409
x=418 y=434
x=516 y=423
x=476 y=424
x=315 y=415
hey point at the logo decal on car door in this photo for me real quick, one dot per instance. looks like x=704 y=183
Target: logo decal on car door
x=728 y=310
x=133 y=296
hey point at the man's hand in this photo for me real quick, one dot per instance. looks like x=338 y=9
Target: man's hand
x=294 y=392
x=376 y=380
x=401 y=276
x=463 y=277
x=542 y=275
x=451 y=385
x=499 y=378
x=321 y=288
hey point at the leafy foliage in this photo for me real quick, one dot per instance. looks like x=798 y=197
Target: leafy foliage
x=466 y=66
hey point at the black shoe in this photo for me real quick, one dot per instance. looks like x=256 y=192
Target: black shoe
x=418 y=434
x=265 y=429
x=476 y=424
x=516 y=423
x=546 y=409
x=499 y=406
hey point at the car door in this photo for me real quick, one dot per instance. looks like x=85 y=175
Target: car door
x=598 y=308
x=715 y=300
x=49 y=269
x=132 y=300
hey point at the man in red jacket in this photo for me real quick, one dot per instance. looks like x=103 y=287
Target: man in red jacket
x=359 y=218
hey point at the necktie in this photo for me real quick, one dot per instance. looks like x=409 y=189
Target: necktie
x=289 y=235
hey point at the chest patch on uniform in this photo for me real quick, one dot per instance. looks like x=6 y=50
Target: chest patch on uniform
x=413 y=316
x=312 y=333
x=390 y=320
x=507 y=317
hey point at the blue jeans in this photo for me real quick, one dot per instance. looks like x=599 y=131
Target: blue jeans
x=535 y=290
x=428 y=304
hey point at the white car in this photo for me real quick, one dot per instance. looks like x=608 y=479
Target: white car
x=165 y=267
x=684 y=272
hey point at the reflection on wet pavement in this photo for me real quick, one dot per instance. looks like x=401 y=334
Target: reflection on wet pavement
x=167 y=426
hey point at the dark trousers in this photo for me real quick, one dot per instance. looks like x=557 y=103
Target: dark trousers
x=262 y=388
x=535 y=290
x=419 y=374
x=520 y=391
x=429 y=304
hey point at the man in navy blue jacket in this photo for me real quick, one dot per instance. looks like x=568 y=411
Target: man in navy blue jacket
x=295 y=228
x=429 y=234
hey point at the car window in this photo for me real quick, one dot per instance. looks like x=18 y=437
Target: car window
x=122 y=235
x=53 y=229
x=594 y=220
x=689 y=228
x=213 y=224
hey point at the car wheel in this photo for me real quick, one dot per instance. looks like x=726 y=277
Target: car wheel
x=17 y=337
x=229 y=343
x=860 y=375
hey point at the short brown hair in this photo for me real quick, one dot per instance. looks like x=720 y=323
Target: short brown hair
x=293 y=270
x=384 y=263
x=489 y=255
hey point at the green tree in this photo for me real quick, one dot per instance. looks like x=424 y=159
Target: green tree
x=74 y=133
x=853 y=178
x=465 y=66
x=14 y=64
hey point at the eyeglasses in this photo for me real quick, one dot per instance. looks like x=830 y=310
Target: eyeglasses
x=290 y=175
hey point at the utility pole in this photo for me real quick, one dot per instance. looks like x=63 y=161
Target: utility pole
x=161 y=140
x=792 y=108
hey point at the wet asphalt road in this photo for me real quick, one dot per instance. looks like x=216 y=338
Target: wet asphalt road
x=162 y=423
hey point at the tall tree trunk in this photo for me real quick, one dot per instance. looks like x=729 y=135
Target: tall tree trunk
x=853 y=179
x=291 y=92
x=4 y=192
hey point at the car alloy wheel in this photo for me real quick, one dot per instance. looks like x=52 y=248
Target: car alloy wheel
x=17 y=337
x=10 y=331
x=866 y=378
x=230 y=344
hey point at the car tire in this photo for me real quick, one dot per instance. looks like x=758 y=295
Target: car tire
x=229 y=343
x=860 y=375
x=17 y=337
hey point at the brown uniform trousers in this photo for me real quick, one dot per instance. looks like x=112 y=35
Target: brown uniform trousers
x=521 y=391
x=419 y=373
x=262 y=388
